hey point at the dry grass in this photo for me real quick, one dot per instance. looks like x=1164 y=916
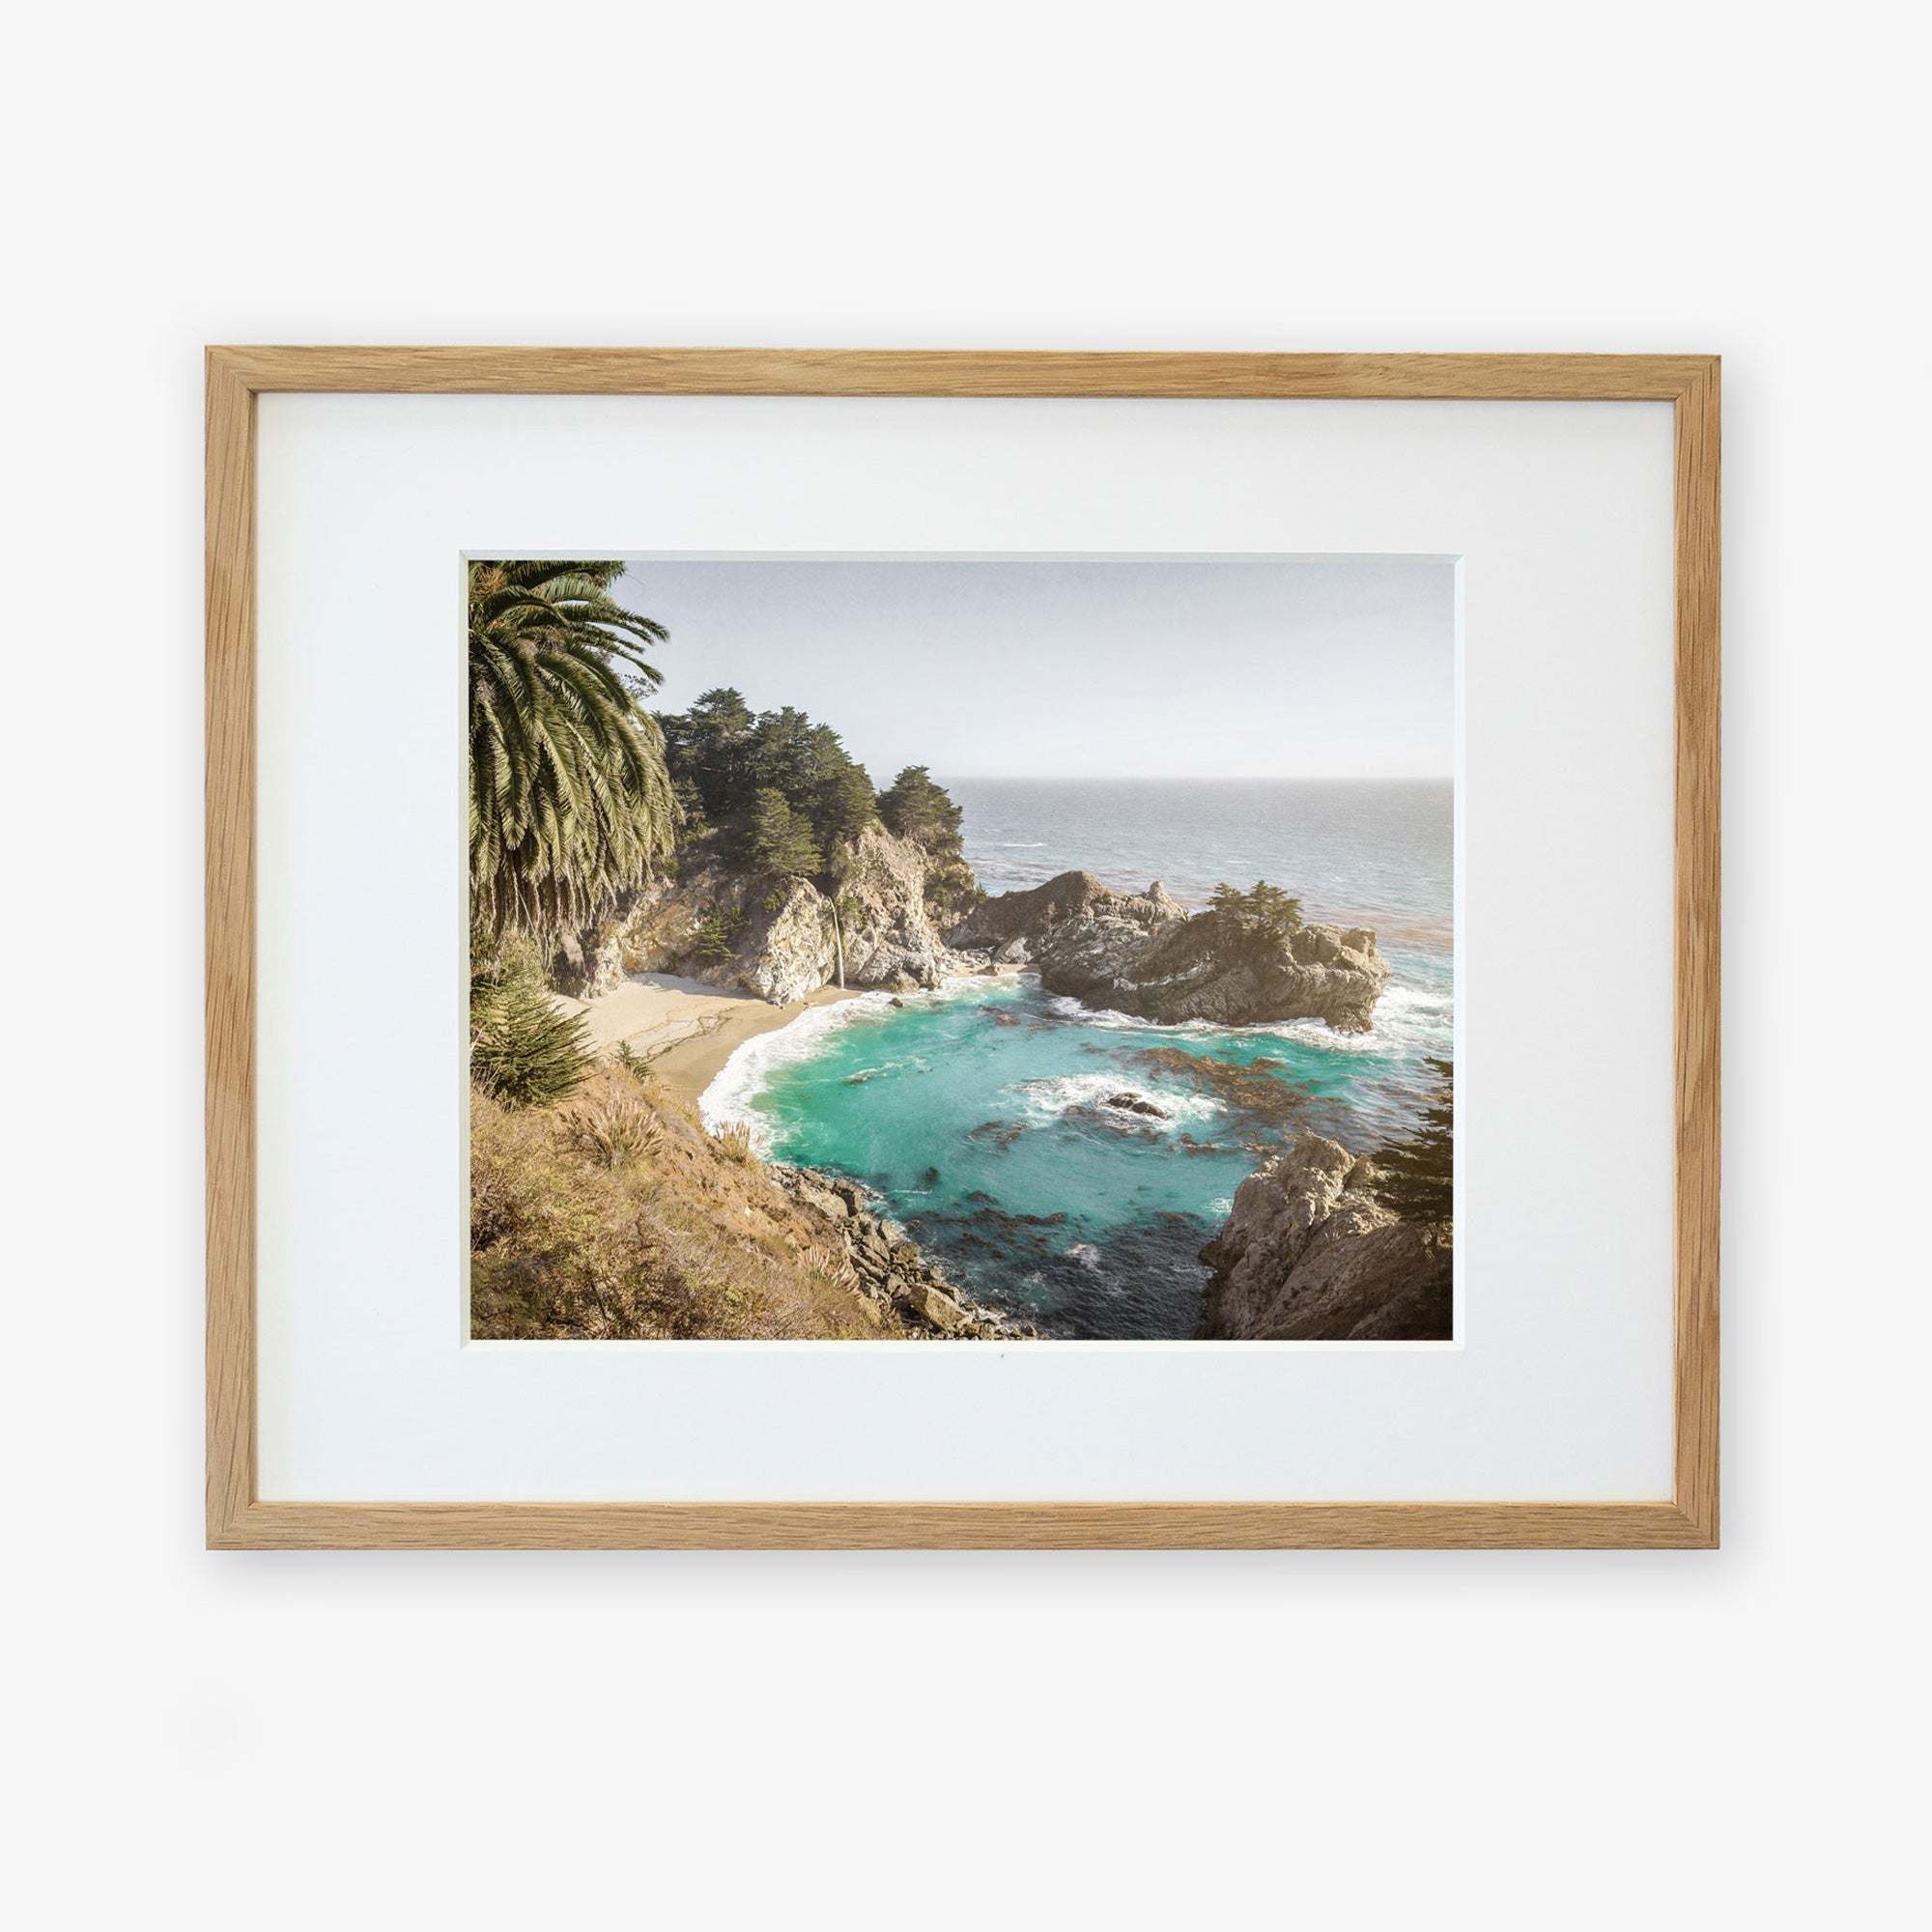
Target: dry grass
x=613 y=1128
x=618 y=1216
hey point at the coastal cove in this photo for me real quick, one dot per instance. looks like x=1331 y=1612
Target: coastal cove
x=763 y=1050
x=1068 y=1164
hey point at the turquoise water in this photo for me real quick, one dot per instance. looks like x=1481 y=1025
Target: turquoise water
x=988 y=1113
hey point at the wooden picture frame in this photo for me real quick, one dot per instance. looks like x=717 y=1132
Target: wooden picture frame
x=239 y=1518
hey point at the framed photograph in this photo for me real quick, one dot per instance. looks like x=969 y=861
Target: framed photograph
x=871 y=949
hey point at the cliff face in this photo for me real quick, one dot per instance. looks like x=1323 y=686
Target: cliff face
x=777 y=937
x=1141 y=953
x=890 y=936
x=1310 y=1255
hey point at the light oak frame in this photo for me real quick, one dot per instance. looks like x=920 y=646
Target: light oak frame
x=237 y=1517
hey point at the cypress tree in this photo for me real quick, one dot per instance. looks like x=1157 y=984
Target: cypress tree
x=776 y=839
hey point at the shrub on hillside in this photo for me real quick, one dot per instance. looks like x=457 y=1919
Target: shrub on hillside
x=685 y=1241
x=523 y=1050
x=612 y=1129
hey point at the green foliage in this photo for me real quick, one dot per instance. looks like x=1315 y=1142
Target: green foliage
x=718 y=937
x=722 y=758
x=570 y=799
x=523 y=1050
x=708 y=750
x=917 y=808
x=1278 y=913
x=777 y=838
x=843 y=807
x=690 y=819
x=1416 y=1177
x=630 y=1060
x=1265 y=912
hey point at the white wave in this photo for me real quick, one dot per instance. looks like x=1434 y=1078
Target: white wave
x=1071 y=1008
x=727 y=1103
x=1047 y=1100
x=1407 y=1017
x=1086 y=1254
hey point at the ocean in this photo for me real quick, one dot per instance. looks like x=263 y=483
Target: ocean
x=978 y=1112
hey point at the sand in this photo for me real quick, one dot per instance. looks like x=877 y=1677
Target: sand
x=686 y=1029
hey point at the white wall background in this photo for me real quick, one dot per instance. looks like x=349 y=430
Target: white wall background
x=947 y=1740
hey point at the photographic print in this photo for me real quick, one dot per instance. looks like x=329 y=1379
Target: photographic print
x=964 y=950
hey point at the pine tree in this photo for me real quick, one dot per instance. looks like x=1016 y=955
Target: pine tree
x=844 y=808
x=716 y=938
x=522 y=1049
x=1263 y=915
x=915 y=807
x=708 y=748
x=1417 y=1176
x=775 y=839
x=1273 y=911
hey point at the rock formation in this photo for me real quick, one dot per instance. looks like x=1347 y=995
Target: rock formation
x=1309 y=1254
x=779 y=937
x=1142 y=953
x=1073 y=903
x=889 y=1269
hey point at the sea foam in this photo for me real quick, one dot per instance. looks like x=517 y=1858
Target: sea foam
x=1048 y=1100
x=727 y=1103
x=1405 y=1016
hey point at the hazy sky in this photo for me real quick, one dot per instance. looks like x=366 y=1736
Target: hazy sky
x=1240 y=667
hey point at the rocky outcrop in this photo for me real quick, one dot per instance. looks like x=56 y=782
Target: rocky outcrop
x=1141 y=953
x=1309 y=1254
x=889 y=934
x=1199 y=971
x=1068 y=904
x=781 y=938
x=888 y=1268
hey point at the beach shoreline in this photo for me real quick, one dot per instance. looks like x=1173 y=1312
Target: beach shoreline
x=684 y=1029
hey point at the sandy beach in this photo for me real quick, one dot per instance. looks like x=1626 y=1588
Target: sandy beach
x=686 y=1029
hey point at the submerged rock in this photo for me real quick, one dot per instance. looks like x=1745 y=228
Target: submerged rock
x=1257 y=1090
x=1309 y=1252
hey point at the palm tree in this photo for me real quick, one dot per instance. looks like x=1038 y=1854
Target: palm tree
x=569 y=799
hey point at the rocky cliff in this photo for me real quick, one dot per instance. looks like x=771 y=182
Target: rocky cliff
x=781 y=938
x=1310 y=1255
x=1069 y=908
x=1141 y=953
